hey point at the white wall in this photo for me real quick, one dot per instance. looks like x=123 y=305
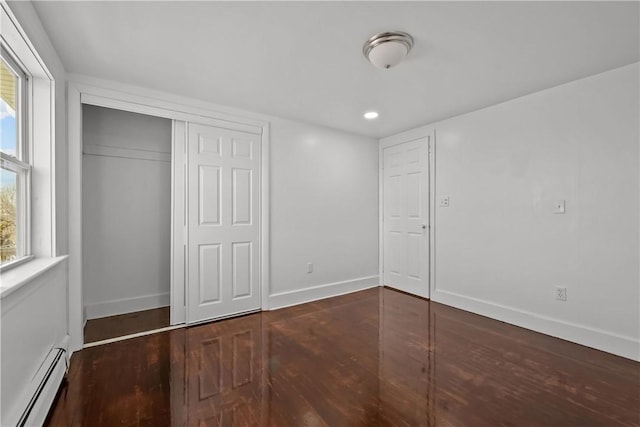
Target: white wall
x=126 y=211
x=324 y=210
x=501 y=251
x=34 y=320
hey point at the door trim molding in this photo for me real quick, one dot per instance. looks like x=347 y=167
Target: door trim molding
x=178 y=294
x=390 y=141
x=85 y=90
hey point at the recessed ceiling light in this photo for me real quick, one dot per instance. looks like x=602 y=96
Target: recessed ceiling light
x=370 y=115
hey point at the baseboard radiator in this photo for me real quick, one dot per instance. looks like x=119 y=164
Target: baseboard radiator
x=44 y=387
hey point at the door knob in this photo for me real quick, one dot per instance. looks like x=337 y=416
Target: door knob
x=424 y=226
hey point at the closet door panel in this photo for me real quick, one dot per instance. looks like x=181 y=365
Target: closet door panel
x=223 y=222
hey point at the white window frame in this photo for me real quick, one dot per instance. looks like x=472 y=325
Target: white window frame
x=20 y=163
x=39 y=149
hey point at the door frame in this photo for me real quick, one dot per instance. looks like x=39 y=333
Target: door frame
x=85 y=90
x=401 y=138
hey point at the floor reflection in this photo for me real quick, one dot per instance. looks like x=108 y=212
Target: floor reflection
x=374 y=358
x=315 y=368
x=217 y=380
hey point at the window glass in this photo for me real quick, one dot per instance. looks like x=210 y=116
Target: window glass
x=9 y=87
x=8 y=214
x=14 y=170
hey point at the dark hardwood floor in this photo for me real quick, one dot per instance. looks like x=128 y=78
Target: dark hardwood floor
x=125 y=324
x=372 y=358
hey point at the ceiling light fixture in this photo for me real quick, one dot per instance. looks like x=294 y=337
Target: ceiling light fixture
x=370 y=115
x=386 y=50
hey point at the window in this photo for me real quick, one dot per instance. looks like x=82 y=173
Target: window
x=27 y=153
x=15 y=170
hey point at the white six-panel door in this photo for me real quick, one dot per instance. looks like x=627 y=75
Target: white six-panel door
x=223 y=221
x=406 y=217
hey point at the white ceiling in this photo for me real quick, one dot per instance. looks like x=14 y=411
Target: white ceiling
x=303 y=60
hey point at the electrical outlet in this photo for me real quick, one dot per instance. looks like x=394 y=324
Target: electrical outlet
x=561 y=293
x=444 y=201
x=309 y=267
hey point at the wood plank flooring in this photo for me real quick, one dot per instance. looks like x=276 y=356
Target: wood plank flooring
x=126 y=324
x=372 y=358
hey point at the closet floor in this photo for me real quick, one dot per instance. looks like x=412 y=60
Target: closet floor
x=125 y=324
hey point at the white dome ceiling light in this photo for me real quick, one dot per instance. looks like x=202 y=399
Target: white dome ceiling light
x=370 y=115
x=386 y=50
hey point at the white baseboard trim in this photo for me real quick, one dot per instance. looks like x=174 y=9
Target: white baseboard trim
x=301 y=296
x=595 y=338
x=126 y=305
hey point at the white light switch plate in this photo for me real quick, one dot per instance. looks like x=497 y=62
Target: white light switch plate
x=559 y=207
x=444 y=201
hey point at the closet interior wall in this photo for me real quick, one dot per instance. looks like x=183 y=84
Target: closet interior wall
x=126 y=211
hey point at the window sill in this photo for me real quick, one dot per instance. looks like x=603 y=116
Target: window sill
x=14 y=263
x=21 y=275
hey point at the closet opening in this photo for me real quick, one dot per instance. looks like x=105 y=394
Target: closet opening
x=126 y=227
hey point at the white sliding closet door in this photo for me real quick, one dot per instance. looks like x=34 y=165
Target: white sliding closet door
x=223 y=222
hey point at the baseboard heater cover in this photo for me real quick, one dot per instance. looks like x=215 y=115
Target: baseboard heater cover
x=44 y=387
